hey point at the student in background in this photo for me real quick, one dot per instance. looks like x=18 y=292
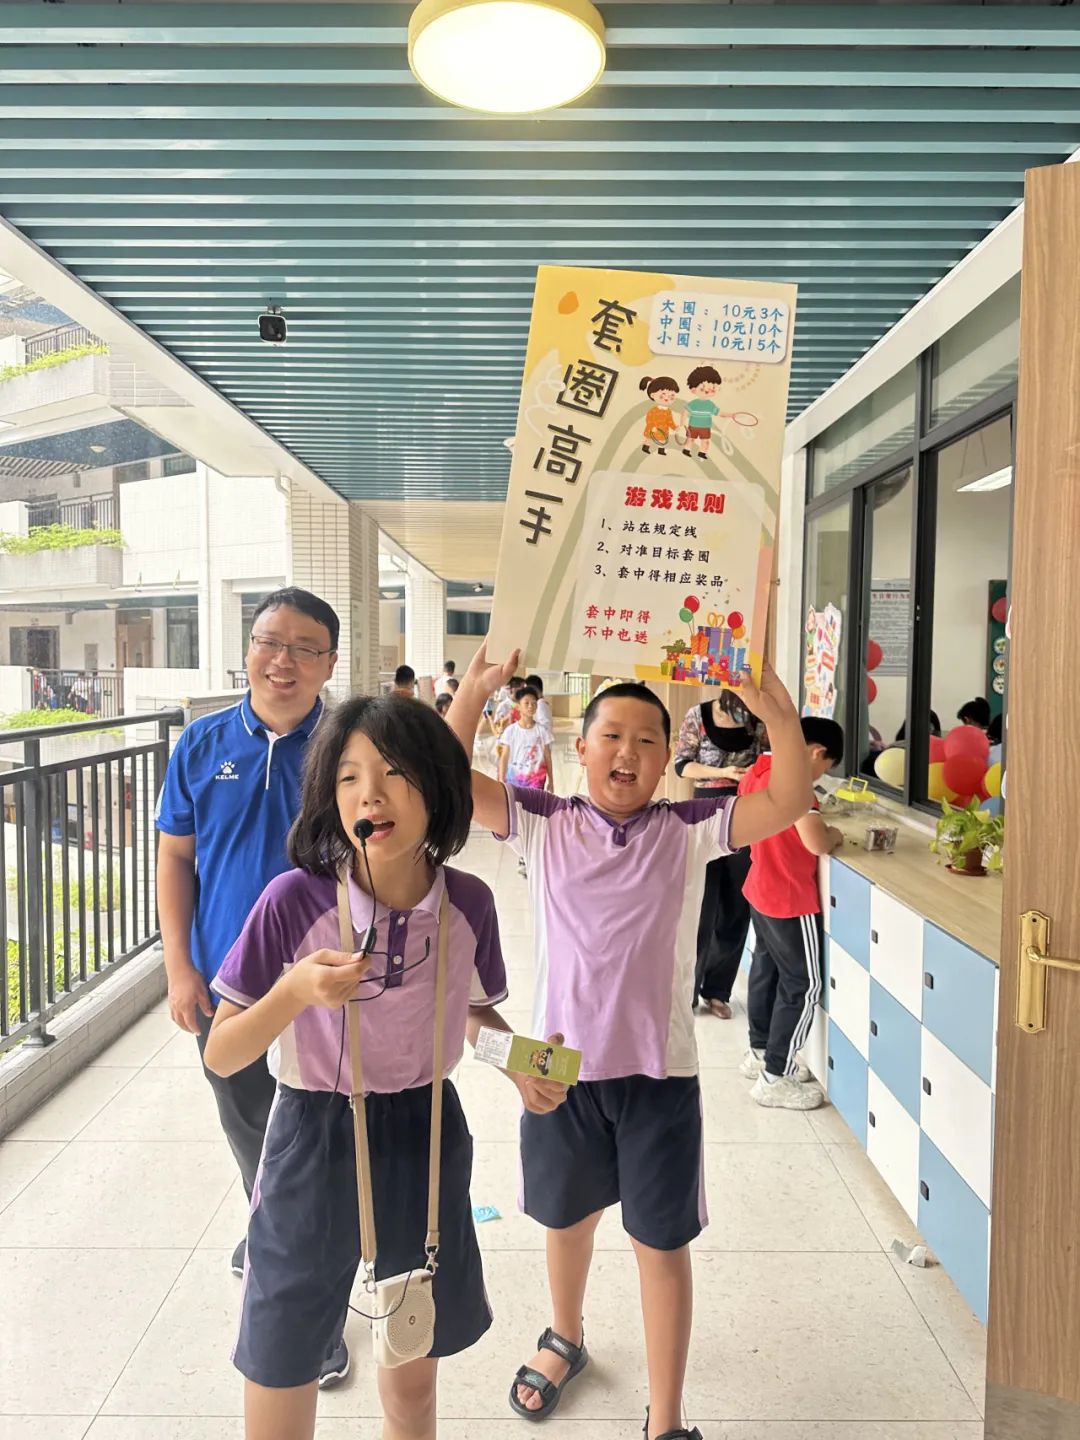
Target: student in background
x=718 y=742
x=785 y=977
x=525 y=747
x=975 y=712
x=405 y=682
x=543 y=709
x=442 y=683
x=443 y=703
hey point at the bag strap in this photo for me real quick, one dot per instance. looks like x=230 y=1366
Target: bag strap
x=365 y=1200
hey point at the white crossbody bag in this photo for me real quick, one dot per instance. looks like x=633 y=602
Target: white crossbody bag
x=403 y=1306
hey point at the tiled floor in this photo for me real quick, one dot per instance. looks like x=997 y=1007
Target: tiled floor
x=119 y=1207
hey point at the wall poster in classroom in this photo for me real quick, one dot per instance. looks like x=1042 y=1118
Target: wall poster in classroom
x=641 y=516
x=822 y=648
x=890 y=625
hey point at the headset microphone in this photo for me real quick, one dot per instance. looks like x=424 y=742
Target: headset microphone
x=363 y=830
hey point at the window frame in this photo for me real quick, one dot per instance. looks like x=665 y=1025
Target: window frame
x=921 y=455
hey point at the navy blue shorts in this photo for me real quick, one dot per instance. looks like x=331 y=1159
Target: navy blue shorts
x=636 y=1141
x=303 y=1246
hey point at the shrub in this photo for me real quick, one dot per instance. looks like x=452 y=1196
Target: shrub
x=58 y=537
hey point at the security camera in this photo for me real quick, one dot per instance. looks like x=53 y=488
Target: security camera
x=272 y=327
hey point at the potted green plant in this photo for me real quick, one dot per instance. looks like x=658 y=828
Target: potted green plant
x=969 y=839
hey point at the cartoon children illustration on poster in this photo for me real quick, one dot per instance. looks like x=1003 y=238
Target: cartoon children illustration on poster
x=660 y=422
x=703 y=383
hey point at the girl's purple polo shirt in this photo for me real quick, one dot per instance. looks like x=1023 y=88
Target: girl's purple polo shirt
x=297 y=914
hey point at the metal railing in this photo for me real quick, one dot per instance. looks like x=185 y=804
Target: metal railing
x=579 y=685
x=61 y=337
x=95 y=692
x=78 y=853
x=238 y=679
x=89 y=512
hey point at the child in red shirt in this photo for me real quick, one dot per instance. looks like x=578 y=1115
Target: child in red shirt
x=785 y=977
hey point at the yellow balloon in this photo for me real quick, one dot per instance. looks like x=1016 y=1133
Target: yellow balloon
x=992 y=780
x=738 y=632
x=935 y=785
x=890 y=766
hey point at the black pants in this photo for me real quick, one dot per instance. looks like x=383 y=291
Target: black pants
x=785 y=987
x=243 y=1102
x=725 y=919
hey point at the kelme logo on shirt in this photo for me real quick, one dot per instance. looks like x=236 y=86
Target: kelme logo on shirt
x=227 y=771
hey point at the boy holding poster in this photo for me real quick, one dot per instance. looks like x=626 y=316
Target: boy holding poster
x=615 y=884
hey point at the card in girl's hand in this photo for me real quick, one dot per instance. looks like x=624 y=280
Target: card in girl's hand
x=522 y=1056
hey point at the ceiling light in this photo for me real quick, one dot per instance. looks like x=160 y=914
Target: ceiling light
x=507 y=57
x=997 y=481
x=97 y=449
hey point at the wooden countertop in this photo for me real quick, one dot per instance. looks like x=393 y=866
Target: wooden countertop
x=970 y=909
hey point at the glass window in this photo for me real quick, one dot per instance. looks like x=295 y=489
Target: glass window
x=875 y=428
x=828 y=545
x=977 y=357
x=885 y=644
x=971 y=571
x=182 y=637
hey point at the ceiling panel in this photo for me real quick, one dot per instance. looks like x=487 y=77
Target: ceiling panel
x=194 y=162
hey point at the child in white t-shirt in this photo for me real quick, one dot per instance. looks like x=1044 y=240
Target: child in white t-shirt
x=525 y=747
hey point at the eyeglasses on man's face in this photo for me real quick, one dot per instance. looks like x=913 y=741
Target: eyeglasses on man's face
x=300 y=654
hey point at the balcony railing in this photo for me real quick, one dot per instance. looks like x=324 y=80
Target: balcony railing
x=94 y=692
x=62 y=337
x=78 y=854
x=88 y=512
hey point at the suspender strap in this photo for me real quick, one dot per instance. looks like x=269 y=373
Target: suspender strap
x=364 y=1196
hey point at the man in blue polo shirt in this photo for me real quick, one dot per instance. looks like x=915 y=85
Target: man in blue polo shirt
x=231 y=793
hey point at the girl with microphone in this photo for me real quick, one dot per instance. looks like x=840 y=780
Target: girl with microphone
x=386 y=803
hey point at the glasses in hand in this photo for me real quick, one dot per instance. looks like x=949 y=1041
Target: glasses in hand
x=299 y=654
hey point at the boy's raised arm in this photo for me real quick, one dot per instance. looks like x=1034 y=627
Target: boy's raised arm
x=479 y=682
x=790 y=795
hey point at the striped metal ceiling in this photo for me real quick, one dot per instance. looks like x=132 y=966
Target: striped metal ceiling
x=194 y=162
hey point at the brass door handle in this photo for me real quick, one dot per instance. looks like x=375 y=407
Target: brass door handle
x=1034 y=958
x=1031 y=971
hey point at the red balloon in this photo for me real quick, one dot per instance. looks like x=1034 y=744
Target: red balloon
x=692 y=603
x=735 y=619
x=874 y=654
x=871 y=690
x=937 y=749
x=967 y=740
x=982 y=792
x=961 y=802
x=1000 y=610
x=964 y=773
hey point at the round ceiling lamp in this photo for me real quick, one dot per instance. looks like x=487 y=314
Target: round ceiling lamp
x=507 y=57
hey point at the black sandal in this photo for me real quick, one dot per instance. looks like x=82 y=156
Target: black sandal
x=576 y=1356
x=694 y=1434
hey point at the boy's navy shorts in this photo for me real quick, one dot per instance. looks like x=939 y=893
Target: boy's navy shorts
x=636 y=1141
x=303 y=1246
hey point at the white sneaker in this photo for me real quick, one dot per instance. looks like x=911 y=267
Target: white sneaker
x=786 y=1094
x=752 y=1066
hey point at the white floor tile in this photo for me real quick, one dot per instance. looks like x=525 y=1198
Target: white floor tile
x=73 y=1107
x=731 y=1116
x=43 y=1427
x=22 y=1161
x=159 y=1104
x=180 y=1052
x=104 y=1299
x=952 y=1324
x=779 y=1197
x=883 y=1212
x=158 y=1427
x=229 y=1222
x=140 y=1043
x=122 y=1194
x=814 y=1337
